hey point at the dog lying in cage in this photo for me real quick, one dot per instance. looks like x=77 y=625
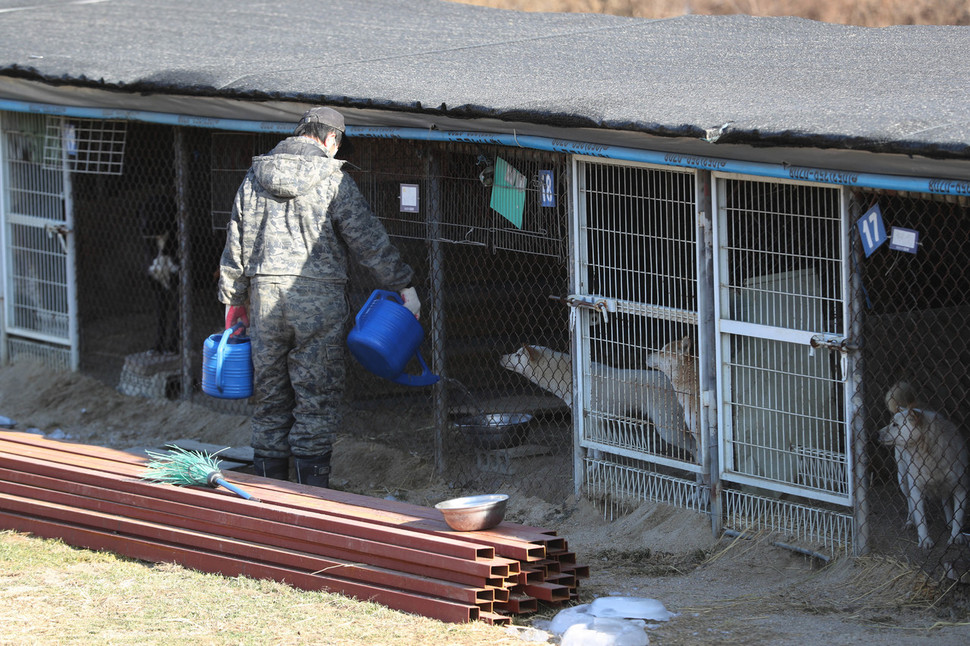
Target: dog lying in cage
x=932 y=463
x=614 y=390
x=678 y=360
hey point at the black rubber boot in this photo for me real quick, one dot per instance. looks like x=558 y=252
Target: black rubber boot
x=277 y=468
x=314 y=471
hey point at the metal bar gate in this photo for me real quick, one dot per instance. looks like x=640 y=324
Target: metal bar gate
x=38 y=248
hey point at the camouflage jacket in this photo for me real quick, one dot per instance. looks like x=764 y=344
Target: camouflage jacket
x=298 y=214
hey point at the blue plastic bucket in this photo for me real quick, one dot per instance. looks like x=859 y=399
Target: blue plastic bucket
x=227 y=365
x=385 y=337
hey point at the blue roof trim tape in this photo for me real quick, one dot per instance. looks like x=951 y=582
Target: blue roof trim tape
x=939 y=186
x=161 y=118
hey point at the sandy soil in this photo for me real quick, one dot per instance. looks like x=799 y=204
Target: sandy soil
x=724 y=591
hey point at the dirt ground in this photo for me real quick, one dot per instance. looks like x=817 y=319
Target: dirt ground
x=724 y=591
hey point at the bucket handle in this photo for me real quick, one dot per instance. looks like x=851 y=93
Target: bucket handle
x=221 y=351
x=394 y=296
x=426 y=378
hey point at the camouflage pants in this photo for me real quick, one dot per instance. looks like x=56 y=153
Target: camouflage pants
x=297 y=328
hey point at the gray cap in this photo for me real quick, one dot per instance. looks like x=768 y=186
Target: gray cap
x=326 y=116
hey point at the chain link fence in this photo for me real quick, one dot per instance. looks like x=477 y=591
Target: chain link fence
x=494 y=278
x=147 y=279
x=915 y=291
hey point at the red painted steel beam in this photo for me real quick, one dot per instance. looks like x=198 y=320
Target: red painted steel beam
x=414 y=517
x=519 y=605
x=505 y=538
x=147 y=550
x=526 y=577
x=547 y=591
x=579 y=571
x=44 y=461
x=184 y=505
x=494 y=618
x=73 y=509
x=111 y=462
x=568 y=580
x=393 y=506
x=502 y=538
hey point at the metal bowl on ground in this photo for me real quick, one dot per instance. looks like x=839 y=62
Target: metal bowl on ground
x=495 y=430
x=473 y=513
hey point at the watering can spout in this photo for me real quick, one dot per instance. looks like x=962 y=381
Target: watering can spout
x=426 y=378
x=385 y=337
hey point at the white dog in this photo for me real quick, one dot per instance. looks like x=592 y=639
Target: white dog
x=614 y=390
x=902 y=395
x=933 y=454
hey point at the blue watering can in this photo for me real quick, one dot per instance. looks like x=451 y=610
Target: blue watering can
x=227 y=365
x=385 y=337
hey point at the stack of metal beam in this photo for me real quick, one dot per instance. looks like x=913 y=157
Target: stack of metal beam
x=397 y=554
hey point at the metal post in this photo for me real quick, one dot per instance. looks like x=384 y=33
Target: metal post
x=574 y=230
x=856 y=413
x=436 y=280
x=185 y=268
x=707 y=348
x=3 y=250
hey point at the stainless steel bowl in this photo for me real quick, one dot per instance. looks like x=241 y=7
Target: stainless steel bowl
x=473 y=513
x=495 y=430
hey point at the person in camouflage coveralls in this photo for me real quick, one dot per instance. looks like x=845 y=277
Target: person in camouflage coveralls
x=296 y=220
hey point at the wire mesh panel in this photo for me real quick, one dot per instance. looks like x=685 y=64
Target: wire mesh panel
x=232 y=154
x=780 y=278
x=488 y=281
x=85 y=145
x=913 y=274
x=636 y=318
x=37 y=227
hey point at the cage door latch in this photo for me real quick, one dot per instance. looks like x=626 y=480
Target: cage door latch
x=61 y=232
x=604 y=306
x=831 y=342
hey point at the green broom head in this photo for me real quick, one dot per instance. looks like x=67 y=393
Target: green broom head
x=183 y=467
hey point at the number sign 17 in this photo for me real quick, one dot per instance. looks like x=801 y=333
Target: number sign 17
x=871 y=230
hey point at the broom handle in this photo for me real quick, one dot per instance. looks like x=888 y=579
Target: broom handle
x=236 y=490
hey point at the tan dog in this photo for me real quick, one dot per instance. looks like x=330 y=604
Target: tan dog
x=678 y=361
x=614 y=390
x=937 y=465
x=902 y=395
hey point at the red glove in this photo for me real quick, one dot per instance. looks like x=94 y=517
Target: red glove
x=236 y=313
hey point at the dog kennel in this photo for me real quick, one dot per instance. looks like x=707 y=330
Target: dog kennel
x=796 y=327
x=732 y=266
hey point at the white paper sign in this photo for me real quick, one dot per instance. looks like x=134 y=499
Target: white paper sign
x=904 y=240
x=409 y=198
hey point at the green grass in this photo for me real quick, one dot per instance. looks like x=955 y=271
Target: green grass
x=51 y=593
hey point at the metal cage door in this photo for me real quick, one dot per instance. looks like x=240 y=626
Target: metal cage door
x=781 y=282
x=40 y=299
x=635 y=292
